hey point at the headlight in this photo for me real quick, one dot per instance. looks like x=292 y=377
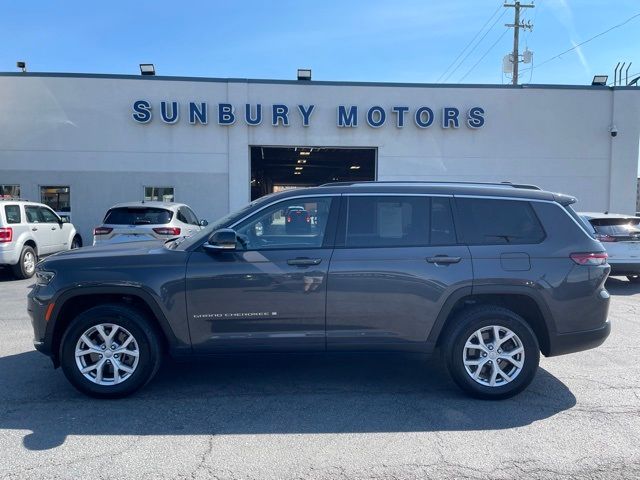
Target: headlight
x=43 y=277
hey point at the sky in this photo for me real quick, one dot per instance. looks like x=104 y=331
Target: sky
x=354 y=40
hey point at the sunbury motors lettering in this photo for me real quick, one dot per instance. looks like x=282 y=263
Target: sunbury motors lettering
x=281 y=115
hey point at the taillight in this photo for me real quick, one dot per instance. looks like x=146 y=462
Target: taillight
x=102 y=230
x=590 y=259
x=167 y=230
x=605 y=238
x=6 y=234
x=288 y=219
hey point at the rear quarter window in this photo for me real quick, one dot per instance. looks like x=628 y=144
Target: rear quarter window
x=138 y=216
x=12 y=214
x=499 y=222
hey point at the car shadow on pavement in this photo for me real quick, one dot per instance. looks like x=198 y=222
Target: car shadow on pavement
x=621 y=286
x=266 y=395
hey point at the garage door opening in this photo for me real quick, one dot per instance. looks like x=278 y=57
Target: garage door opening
x=275 y=169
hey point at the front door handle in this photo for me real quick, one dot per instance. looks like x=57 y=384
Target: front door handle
x=53 y=228
x=304 y=262
x=443 y=259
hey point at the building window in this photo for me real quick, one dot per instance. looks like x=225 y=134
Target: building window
x=10 y=191
x=158 y=194
x=58 y=198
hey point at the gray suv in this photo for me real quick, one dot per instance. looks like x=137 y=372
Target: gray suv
x=488 y=274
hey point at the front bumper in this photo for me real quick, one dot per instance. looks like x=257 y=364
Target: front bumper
x=564 y=343
x=37 y=309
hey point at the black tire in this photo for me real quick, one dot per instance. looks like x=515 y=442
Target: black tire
x=20 y=270
x=633 y=278
x=76 y=242
x=134 y=322
x=462 y=328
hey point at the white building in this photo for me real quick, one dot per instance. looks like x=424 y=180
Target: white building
x=84 y=142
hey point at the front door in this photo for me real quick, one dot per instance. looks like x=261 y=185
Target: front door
x=396 y=261
x=270 y=293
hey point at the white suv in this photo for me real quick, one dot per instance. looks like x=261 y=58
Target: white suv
x=29 y=230
x=138 y=221
x=620 y=236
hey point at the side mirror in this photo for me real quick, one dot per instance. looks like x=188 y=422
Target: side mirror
x=203 y=223
x=223 y=239
x=64 y=219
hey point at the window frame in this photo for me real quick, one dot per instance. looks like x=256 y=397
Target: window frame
x=341 y=235
x=329 y=235
x=14 y=198
x=67 y=212
x=457 y=216
x=144 y=193
x=6 y=214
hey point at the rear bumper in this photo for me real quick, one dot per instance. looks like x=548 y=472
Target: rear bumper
x=578 y=341
x=625 y=268
x=9 y=256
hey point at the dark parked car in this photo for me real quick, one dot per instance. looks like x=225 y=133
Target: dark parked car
x=489 y=274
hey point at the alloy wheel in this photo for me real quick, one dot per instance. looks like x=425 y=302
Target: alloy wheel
x=107 y=354
x=493 y=356
x=29 y=263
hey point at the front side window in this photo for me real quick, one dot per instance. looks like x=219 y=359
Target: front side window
x=12 y=213
x=57 y=198
x=295 y=223
x=159 y=194
x=496 y=222
x=48 y=216
x=186 y=215
x=138 y=216
x=9 y=192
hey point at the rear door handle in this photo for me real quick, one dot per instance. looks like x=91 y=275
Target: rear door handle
x=34 y=229
x=53 y=228
x=443 y=259
x=304 y=262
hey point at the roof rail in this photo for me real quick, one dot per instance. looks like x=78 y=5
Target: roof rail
x=418 y=182
x=13 y=199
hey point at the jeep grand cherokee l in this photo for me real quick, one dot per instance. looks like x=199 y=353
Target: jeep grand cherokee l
x=491 y=275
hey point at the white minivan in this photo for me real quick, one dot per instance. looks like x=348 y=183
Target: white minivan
x=30 y=230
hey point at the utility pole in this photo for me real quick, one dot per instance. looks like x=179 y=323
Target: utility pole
x=517 y=25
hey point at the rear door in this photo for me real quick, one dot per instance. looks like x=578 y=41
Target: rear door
x=39 y=229
x=396 y=261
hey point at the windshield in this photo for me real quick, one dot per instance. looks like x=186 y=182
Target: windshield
x=138 y=216
x=185 y=243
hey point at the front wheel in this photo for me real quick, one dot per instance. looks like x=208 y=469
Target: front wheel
x=491 y=352
x=110 y=351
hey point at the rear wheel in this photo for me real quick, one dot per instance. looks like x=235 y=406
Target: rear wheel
x=26 y=266
x=110 y=351
x=491 y=352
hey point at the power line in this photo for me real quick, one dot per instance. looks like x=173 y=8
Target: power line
x=586 y=41
x=470 y=42
x=485 y=54
x=475 y=46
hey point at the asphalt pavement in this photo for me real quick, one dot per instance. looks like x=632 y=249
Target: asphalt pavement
x=322 y=417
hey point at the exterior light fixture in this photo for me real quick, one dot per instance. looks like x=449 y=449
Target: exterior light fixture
x=147 y=69
x=304 y=74
x=298 y=168
x=297 y=173
x=600 y=80
x=302 y=161
x=22 y=66
x=305 y=154
x=354 y=167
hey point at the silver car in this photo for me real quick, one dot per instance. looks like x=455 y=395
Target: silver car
x=139 y=221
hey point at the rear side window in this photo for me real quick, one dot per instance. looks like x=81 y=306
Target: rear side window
x=138 y=216
x=616 y=226
x=496 y=222
x=389 y=221
x=12 y=213
x=33 y=215
x=185 y=215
